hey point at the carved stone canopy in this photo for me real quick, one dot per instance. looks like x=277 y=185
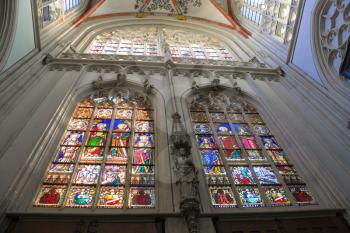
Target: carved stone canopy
x=179 y=137
x=217 y=100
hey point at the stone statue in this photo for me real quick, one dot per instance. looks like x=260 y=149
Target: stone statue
x=186 y=175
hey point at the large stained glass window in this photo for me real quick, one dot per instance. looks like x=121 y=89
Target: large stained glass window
x=150 y=41
x=105 y=158
x=242 y=161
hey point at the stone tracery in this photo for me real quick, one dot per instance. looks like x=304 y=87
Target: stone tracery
x=334 y=28
x=150 y=41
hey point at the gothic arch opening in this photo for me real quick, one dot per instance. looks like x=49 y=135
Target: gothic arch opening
x=106 y=157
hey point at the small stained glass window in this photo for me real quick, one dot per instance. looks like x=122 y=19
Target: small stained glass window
x=106 y=158
x=243 y=163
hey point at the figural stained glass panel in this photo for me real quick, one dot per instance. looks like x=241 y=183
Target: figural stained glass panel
x=242 y=161
x=106 y=158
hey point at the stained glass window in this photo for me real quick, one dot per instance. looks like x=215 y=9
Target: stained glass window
x=144 y=41
x=105 y=159
x=242 y=161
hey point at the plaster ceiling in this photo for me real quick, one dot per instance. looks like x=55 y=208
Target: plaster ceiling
x=208 y=11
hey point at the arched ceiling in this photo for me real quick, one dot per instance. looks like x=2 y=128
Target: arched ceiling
x=216 y=12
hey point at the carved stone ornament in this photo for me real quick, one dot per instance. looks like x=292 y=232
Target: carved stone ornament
x=215 y=84
x=264 y=77
x=256 y=62
x=217 y=100
x=194 y=86
x=280 y=71
x=97 y=86
x=121 y=79
x=148 y=88
x=47 y=59
x=179 y=137
x=190 y=209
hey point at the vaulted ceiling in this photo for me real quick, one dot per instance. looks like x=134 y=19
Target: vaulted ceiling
x=216 y=12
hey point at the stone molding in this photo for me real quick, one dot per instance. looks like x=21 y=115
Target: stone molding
x=150 y=65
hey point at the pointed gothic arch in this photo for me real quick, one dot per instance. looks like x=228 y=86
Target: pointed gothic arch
x=106 y=157
x=241 y=159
